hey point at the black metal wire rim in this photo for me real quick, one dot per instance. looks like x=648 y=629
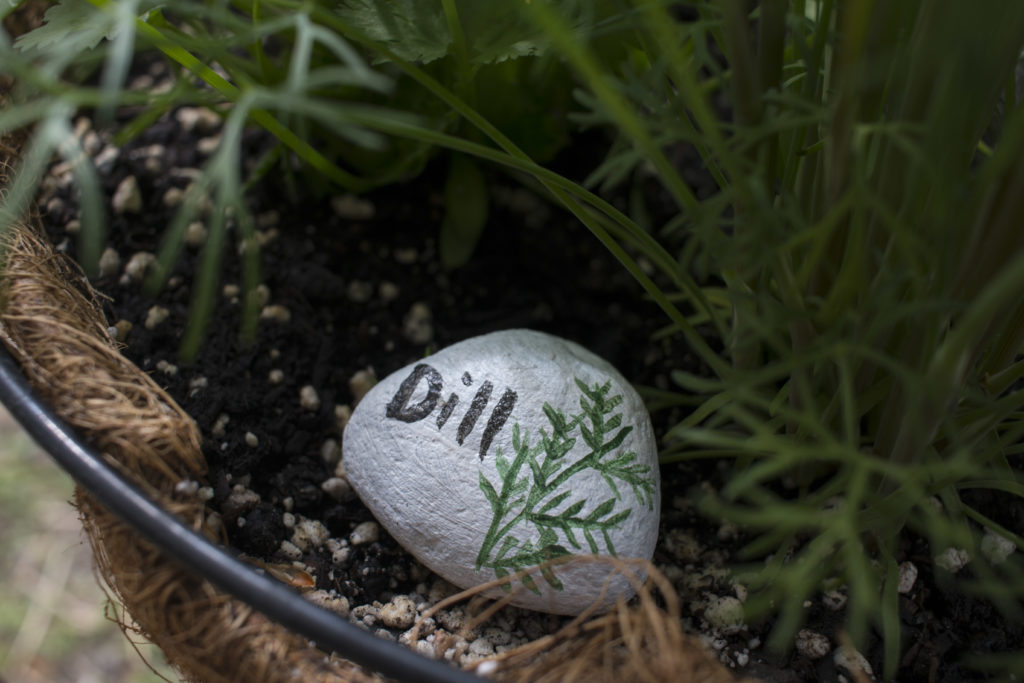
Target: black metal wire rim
x=328 y=631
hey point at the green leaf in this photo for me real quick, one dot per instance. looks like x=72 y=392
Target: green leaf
x=73 y=25
x=554 y=502
x=415 y=30
x=466 y=208
x=573 y=509
x=490 y=494
x=601 y=510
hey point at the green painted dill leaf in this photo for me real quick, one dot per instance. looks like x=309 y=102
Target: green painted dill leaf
x=547 y=537
x=490 y=494
x=554 y=502
x=616 y=440
x=601 y=510
x=573 y=509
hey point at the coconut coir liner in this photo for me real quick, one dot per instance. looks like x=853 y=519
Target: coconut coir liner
x=51 y=321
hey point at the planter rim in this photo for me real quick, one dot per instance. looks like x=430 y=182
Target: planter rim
x=329 y=631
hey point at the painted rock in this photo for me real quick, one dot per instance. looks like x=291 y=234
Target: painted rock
x=506 y=451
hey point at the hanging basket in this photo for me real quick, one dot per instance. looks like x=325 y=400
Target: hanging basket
x=160 y=551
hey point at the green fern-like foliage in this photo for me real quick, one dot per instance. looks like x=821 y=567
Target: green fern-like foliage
x=534 y=492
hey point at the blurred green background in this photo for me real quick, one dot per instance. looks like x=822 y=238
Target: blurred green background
x=53 y=614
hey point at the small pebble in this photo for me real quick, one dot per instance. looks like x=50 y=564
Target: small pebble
x=174 y=196
x=138 y=264
x=906 y=576
x=952 y=559
x=400 y=613
x=167 y=368
x=290 y=550
x=309 y=533
x=276 y=313
x=996 y=548
x=110 y=262
x=186 y=487
x=388 y=291
x=367 y=532
x=217 y=431
x=482 y=647
x=352 y=207
x=251 y=440
x=155 y=316
x=275 y=376
x=406 y=256
x=197 y=118
x=834 y=600
x=208 y=145
x=811 y=644
x=848 y=658
x=330 y=452
x=418 y=325
x=725 y=613
x=361 y=382
x=127 y=197
x=308 y=398
x=195 y=234
x=359 y=291
x=336 y=487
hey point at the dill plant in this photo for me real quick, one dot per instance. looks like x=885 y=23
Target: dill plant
x=860 y=263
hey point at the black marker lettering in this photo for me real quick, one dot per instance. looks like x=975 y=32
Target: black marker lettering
x=446 y=410
x=398 y=408
x=497 y=420
x=473 y=414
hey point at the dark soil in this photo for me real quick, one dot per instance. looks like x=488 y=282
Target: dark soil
x=535 y=267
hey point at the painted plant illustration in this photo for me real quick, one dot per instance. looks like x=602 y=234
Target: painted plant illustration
x=534 y=498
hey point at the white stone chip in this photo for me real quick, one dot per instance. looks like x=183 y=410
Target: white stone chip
x=848 y=658
x=400 y=613
x=154 y=316
x=110 y=262
x=367 y=532
x=505 y=450
x=127 y=197
x=952 y=559
x=907 y=575
x=996 y=547
x=812 y=645
x=308 y=398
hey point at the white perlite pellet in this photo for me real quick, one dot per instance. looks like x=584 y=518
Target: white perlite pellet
x=996 y=547
x=906 y=576
x=361 y=382
x=308 y=398
x=952 y=559
x=154 y=316
x=127 y=197
x=811 y=644
x=110 y=262
x=854 y=662
x=400 y=613
x=138 y=264
x=367 y=532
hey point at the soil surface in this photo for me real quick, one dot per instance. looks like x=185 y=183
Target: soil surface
x=354 y=289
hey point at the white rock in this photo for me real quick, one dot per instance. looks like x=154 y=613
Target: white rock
x=848 y=658
x=907 y=575
x=996 y=547
x=953 y=559
x=480 y=461
x=811 y=644
x=127 y=197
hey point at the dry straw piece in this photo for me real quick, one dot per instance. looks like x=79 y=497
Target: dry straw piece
x=52 y=322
